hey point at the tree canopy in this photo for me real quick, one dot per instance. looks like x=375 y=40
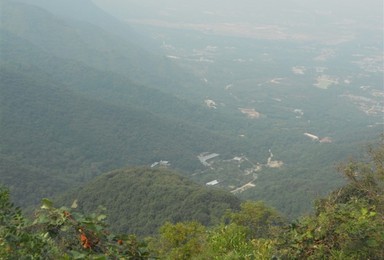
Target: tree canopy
x=347 y=224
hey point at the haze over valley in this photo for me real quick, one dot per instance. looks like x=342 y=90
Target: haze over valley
x=307 y=78
x=262 y=100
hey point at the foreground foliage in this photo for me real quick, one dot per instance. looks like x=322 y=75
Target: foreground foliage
x=60 y=234
x=348 y=224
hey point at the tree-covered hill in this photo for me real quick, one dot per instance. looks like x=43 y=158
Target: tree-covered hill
x=109 y=87
x=102 y=64
x=80 y=94
x=28 y=183
x=140 y=200
x=74 y=39
x=347 y=224
x=47 y=127
x=66 y=117
x=83 y=40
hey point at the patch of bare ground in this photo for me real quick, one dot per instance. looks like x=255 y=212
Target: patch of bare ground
x=250 y=112
x=243 y=188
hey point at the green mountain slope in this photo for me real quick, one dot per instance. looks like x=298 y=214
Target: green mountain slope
x=45 y=126
x=70 y=121
x=29 y=184
x=86 y=11
x=78 y=99
x=109 y=87
x=140 y=200
x=88 y=43
x=103 y=65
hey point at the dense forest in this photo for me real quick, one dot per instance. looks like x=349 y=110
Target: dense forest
x=65 y=116
x=140 y=200
x=166 y=140
x=80 y=138
x=347 y=224
x=82 y=94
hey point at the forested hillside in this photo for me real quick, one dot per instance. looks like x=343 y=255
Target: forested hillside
x=83 y=93
x=140 y=200
x=109 y=87
x=71 y=121
x=47 y=128
x=83 y=40
x=347 y=224
x=174 y=130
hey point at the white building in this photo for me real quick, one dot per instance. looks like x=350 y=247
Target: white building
x=212 y=183
x=204 y=157
x=313 y=137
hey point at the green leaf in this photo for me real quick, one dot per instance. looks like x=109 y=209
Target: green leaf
x=372 y=243
x=78 y=255
x=101 y=217
x=46 y=204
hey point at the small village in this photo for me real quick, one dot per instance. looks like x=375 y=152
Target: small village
x=237 y=174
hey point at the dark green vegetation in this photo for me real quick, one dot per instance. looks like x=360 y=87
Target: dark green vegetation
x=347 y=224
x=46 y=127
x=82 y=94
x=140 y=200
x=62 y=117
x=59 y=234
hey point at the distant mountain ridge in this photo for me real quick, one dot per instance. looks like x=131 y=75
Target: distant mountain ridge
x=85 y=11
x=87 y=41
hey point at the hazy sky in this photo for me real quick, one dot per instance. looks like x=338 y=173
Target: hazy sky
x=161 y=8
x=317 y=17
